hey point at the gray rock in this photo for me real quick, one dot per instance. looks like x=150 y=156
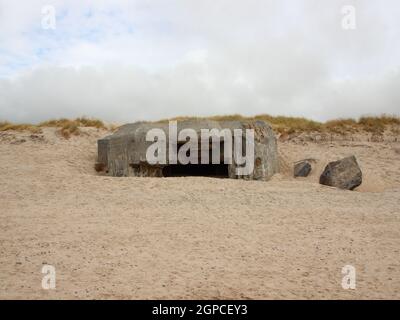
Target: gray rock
x=124 y=152
x=302 y=169
x=343 y=174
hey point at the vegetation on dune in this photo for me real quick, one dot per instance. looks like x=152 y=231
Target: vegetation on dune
x=79 y=122
x=290 y=124
x=71 y=127
x=66 y=127
x=281 y=124
x=378 y=124
x=8 y=126
x=341 y=126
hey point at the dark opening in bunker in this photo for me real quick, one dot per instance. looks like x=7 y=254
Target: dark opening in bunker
x=199 y=170
x=196 y=170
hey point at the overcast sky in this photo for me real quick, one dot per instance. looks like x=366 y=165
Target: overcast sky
x=148 y=59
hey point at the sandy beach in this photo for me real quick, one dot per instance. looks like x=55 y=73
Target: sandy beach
x=194 y=237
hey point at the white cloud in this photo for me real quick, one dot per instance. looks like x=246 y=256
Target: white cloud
x=134 y=60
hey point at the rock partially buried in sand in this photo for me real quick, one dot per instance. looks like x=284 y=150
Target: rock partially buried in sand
x=302 y=169
x=343 y=174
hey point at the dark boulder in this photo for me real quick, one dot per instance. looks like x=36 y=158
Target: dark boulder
x=302 y=169
x=343 y=174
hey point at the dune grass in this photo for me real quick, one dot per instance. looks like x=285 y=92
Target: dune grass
x=70 y=127
x=8 y=126
x=284 y=124
x=66 y=127
x=281 y=124
x=79 y=122
x=378 y=124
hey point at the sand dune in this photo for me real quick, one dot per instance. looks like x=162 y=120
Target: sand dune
x=142 y=238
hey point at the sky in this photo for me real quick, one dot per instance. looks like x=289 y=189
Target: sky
x=124 y=61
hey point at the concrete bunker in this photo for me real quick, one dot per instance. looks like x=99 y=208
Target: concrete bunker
x=124 y=152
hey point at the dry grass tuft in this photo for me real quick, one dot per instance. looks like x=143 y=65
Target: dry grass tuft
x=340 y=126
x=290 y=125
x=71 y=127
x=8 y=126
x=80 y=122
x=378 y=124
x=67 y=127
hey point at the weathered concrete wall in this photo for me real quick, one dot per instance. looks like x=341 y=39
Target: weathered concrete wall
x=124 y=152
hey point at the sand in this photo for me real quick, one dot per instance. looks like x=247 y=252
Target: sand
x=193 y=237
